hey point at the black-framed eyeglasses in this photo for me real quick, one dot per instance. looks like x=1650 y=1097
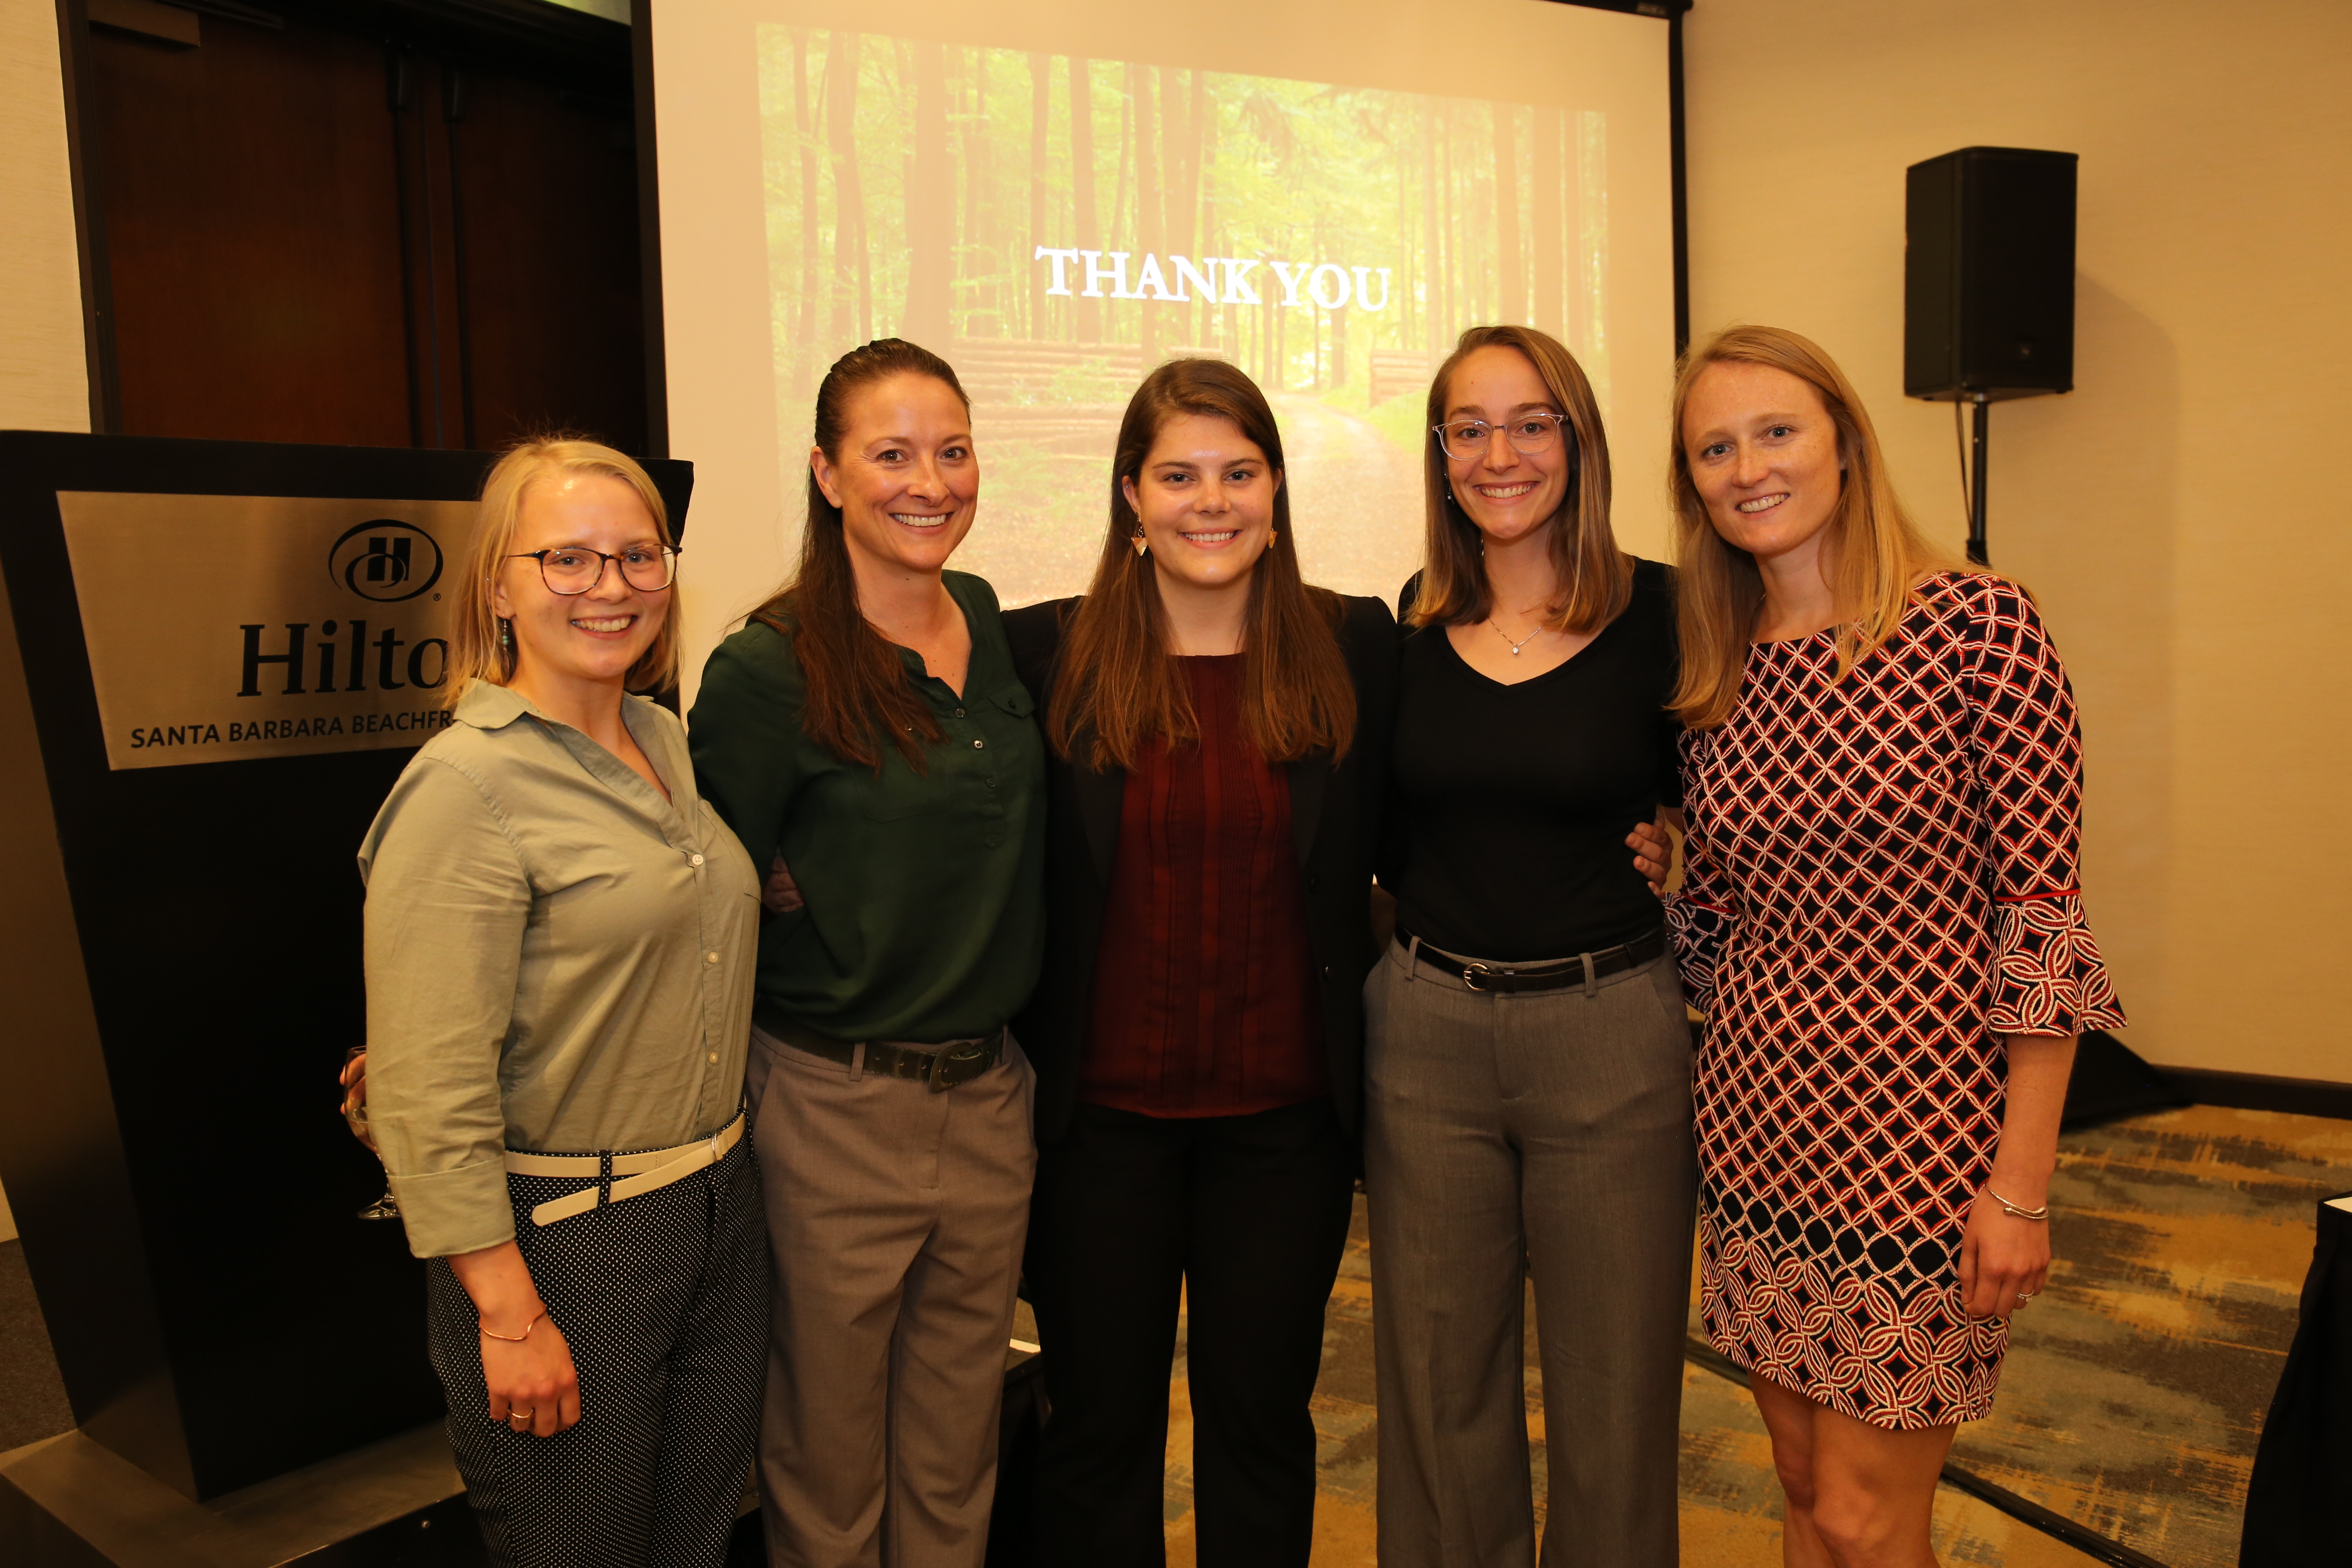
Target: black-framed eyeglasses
x=575 y=569
x=1529 y=434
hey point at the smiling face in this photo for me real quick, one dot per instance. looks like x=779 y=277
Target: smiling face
x=1763 y=455
x=1506 y=493
x=905 y=475
x=579 y=641
x=1205 y=498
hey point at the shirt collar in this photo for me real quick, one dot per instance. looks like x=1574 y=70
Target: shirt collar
x=486 y=706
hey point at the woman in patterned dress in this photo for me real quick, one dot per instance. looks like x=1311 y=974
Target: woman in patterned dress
x=1882 y=918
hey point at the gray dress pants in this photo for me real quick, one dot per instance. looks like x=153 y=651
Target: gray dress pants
x=1545 y=1133
x=897 y=1217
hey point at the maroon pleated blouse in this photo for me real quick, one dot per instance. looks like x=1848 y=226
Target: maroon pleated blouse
x=1205 y=998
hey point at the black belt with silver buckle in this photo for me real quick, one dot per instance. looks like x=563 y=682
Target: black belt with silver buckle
x=1551 y=975
x=939 y=1068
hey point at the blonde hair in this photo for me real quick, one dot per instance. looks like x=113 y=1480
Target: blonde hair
x=475 y=651
x=1873 y=553
x=1596 y=577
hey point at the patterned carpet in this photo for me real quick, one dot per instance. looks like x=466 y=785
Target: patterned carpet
x=2136 y=1391
x=2132 y=1399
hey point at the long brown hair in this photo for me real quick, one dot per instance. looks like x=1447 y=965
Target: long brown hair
x=854 y=686
x=1119 y=689
x=1874 y=554
x=477 y=652
x=1596 y=577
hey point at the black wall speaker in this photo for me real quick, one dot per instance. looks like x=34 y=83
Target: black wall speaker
x=1988 y=275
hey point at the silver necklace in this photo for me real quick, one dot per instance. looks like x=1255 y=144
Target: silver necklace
x=1522 y=642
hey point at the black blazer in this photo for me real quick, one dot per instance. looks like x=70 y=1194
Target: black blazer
x=1334 y=811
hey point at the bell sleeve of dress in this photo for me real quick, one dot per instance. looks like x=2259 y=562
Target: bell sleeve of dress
x=448 y=899
x=1701 y=913
x=2026 y=750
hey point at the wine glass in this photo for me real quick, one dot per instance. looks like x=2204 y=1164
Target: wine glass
x=355 y=1117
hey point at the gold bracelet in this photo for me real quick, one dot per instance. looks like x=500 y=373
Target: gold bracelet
x=2006 y=1208
x=511 y=1339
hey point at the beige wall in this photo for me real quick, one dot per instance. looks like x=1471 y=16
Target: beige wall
x=44 y=382
x=2183 y=514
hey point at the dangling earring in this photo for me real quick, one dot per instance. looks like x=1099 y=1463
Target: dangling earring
x=506 y=632
x=1140 y=548
x=1272 y=534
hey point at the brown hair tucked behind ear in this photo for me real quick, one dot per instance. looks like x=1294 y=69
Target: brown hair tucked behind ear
x=855 y=684
x=1596 y=578
x=1118 y=690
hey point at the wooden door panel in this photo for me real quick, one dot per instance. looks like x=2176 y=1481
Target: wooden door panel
x=546 y=193
x=252 y=202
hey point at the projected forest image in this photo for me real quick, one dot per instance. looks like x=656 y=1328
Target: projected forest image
x=1054 y=225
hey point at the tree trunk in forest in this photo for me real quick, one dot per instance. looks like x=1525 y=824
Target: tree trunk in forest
x=1432 y=257
x=1448 y=235
x=1182 y=186
x=1576 y=318
x=1120 y=233
x=1511 y=280
x=1148 y=210
x=1041 y=96
x=1408 y=275
x=1204 y=167
x=1544 y=172
x=930 y=207
x=984 y=265
x=1592 y=247
x=804 y=122
x=1474 y=231
x=1082 y=189
x=1281 y=366
x=851 y=279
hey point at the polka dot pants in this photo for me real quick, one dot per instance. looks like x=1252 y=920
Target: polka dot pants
x=663 y=1301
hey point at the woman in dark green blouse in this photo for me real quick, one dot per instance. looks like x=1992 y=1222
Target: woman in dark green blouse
x=867 y=728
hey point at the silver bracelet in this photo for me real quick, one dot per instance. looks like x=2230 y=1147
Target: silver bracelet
x=2010 y=1208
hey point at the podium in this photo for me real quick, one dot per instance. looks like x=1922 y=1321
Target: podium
x=215 y=659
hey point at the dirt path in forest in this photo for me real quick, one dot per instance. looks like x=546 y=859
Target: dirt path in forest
x=1355 y=499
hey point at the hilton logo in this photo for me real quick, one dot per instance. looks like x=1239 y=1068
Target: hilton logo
x=385 y=559
x=211 y=638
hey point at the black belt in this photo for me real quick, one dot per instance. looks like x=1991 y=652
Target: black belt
x=939 y=1066
x=1551 y=975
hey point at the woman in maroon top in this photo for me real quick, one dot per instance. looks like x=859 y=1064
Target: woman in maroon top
x=1220 y=734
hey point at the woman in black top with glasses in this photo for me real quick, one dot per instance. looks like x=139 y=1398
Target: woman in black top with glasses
x=1528 y=1065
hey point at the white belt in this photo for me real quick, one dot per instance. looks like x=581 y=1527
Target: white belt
x=648 y=1172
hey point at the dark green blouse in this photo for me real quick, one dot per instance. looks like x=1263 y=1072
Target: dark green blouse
x=925 y=914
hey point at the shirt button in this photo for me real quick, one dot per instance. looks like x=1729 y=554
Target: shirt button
x=714 y=1059
x=693 y=859
x=980 y=745
x=991 y=781
x=958 y=712
x=710 y=958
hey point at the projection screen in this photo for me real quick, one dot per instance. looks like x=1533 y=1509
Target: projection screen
x=1056 y=195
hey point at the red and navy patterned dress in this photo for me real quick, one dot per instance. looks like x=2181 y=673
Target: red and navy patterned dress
x=1883 y=881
